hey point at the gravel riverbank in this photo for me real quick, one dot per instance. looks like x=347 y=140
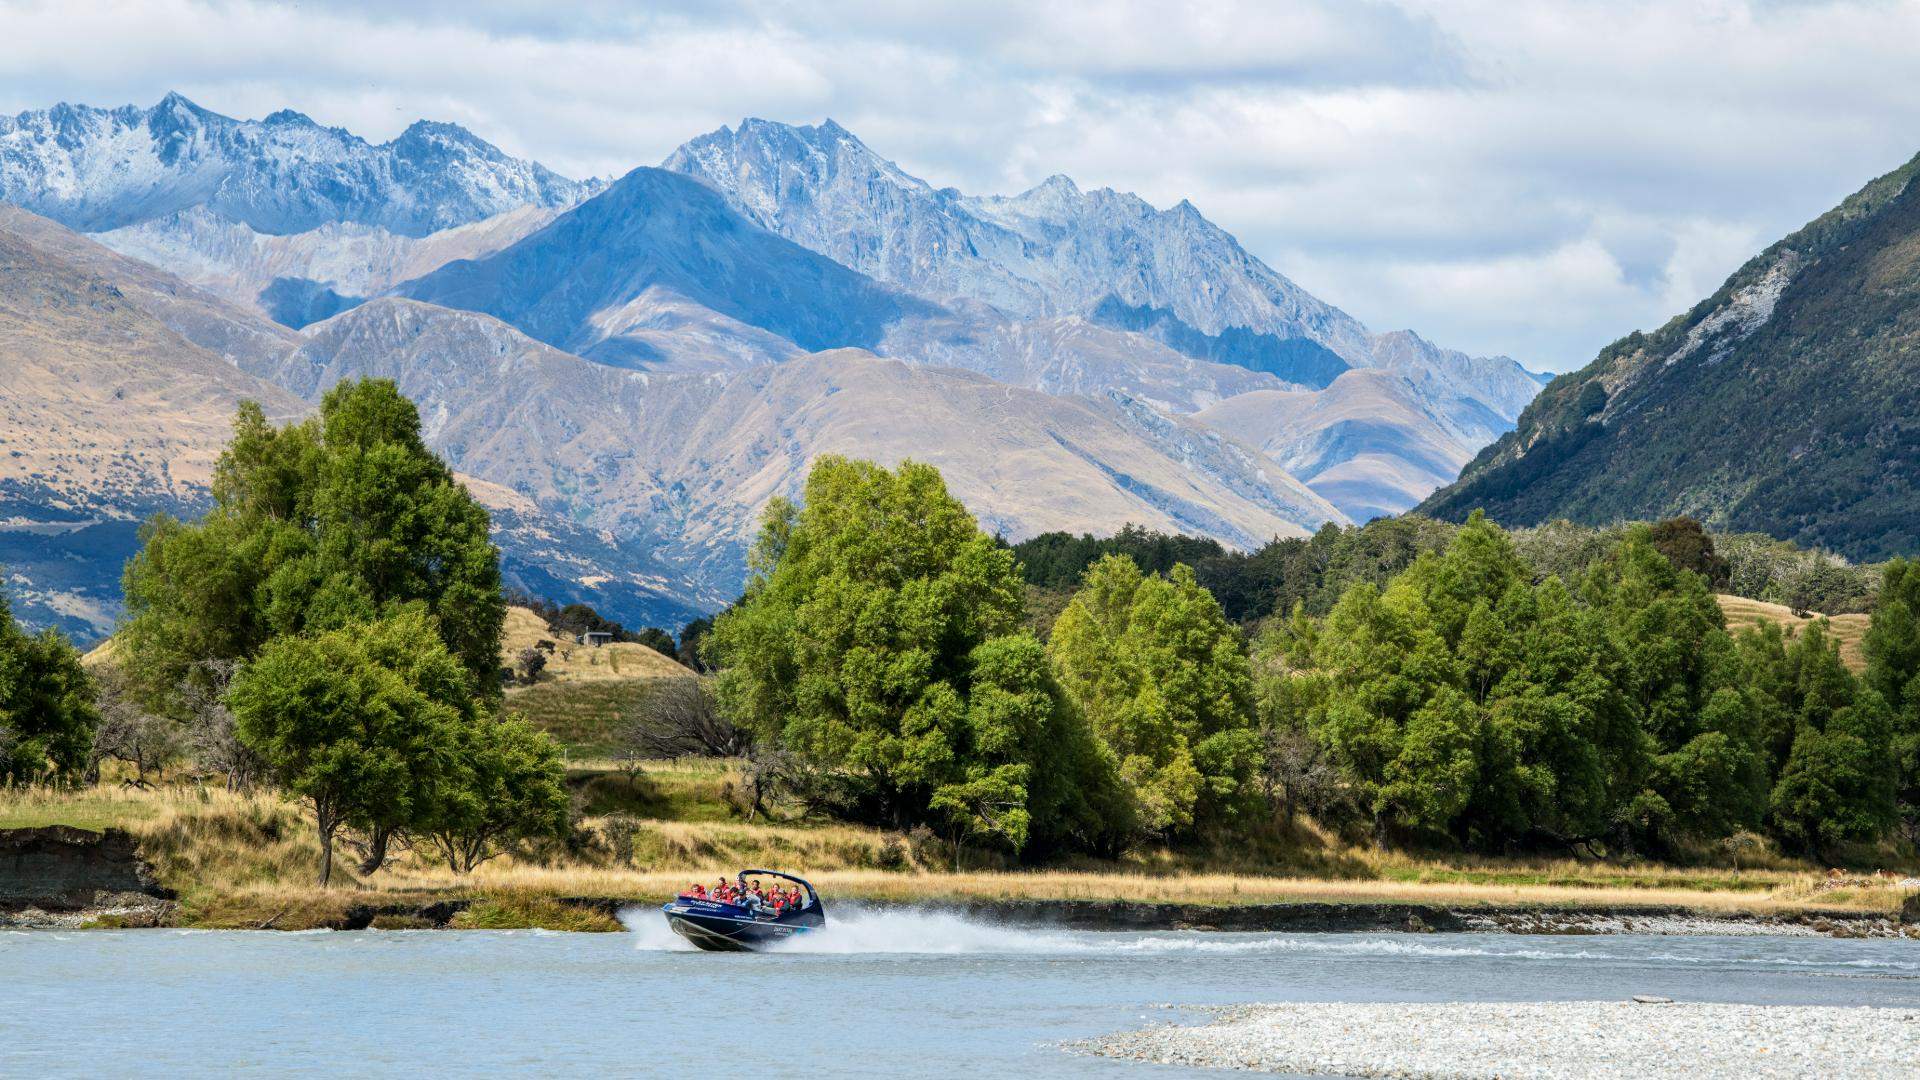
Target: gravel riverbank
x=1537 y=1041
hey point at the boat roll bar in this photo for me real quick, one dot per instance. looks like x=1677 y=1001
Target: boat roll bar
x=813 y=898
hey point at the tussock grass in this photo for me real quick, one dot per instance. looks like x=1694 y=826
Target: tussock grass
x=101 y=807
x=688 y=790
x=583 y=716
x=516 y=911
x=246 y=860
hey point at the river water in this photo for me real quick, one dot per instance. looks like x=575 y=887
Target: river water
x=893 y=994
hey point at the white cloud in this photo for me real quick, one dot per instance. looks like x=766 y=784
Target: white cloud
x=1535 y=179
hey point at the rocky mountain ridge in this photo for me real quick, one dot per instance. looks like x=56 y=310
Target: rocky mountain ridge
x=1788 y=402
x=95 y=169
x=636 y=491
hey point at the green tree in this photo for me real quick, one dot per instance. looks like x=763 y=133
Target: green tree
x=363 y=722
x=1840 y=779
x=1163 y=678
x=1426 y=712
x=1893 y=670
x=47 y=712
x=1018 y=715
x=1470 y=701
x=1709 y=770
x=1687 y=545
x=343 y=518
x=506 y=782
x=870 y=642
x=693 y=638
x=658 y=640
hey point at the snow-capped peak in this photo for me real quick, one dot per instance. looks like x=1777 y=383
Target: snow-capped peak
x=97 y=169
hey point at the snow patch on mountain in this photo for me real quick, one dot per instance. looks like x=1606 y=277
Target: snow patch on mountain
x=100 y=169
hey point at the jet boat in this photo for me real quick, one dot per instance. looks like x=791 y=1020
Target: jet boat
x=723 y=927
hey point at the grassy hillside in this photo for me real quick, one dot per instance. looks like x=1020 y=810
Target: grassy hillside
x=1786 y=403
x=582 y=691
x=570 y=662
x=1849 y=630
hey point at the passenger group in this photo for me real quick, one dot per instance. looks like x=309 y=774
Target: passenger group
x=777 y=900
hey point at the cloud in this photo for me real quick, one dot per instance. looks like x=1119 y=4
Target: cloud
x=1531 y=179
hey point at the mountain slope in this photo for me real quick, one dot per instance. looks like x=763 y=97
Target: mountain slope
x=107 y=416
x=678 y=466
x=301 y=278
x=658 y=272
x=1051 y=251
x=1367 y=443
x=98 y=169
x=118 y=385
x=1788 y=402
x=1059 y=288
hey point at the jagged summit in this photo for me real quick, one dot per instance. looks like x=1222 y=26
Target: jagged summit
x=1053 y=250
x=98 y=169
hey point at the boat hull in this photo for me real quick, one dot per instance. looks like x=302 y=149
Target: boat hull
x=722 y=932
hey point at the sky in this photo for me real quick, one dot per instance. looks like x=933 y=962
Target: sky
x=1532 y=179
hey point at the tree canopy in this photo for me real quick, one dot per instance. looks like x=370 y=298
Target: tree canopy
x=47 y=713
x=1163 y=679
x=361 y=721
x=378 y=726
x=1471 y=702
x=878 y=636
x=1893 y=671
x=343 y=518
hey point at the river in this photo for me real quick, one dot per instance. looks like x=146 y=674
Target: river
x=894 y=994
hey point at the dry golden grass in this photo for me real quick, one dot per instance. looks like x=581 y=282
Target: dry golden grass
x=584 y=716
x=569 y=662
x=1849 y=630
x=250 y=860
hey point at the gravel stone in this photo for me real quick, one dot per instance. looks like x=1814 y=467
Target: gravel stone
x=1538 y=1041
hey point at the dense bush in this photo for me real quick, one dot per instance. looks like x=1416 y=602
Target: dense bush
x=1893 y=671
x=47 y=712
x=1762 y=568
x=1473 y=703
x=1058 y=560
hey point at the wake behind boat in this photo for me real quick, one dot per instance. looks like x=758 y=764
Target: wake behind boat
x=746 y=914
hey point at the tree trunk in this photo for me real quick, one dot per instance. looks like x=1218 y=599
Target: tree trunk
x=325 y=826
x=376 y=851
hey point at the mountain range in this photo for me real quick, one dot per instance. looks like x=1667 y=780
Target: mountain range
x=627 y=370
x=1788 y=402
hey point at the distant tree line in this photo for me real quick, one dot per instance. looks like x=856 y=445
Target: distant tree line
x=1317 y=570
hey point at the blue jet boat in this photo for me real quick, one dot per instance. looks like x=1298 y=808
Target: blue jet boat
x=720 y=927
